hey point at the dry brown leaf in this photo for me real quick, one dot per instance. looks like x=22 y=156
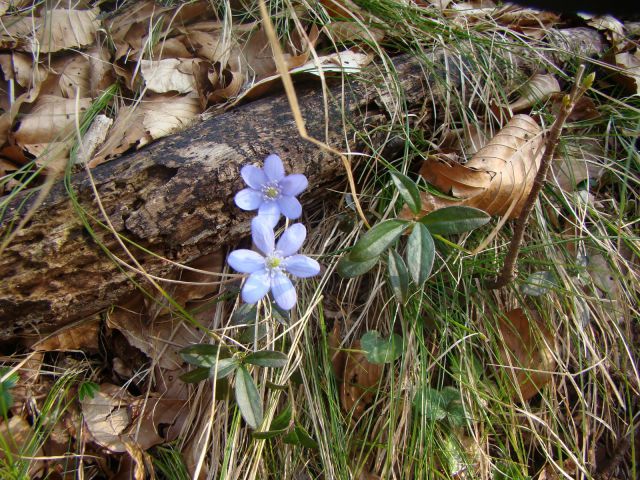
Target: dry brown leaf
x=525 y=17
x=340 y=32
x=613 y=28
x=126 y=131
x=630 y=74
x=107 y=415
x=16 y=434
x=584 y=109
x=440 y=4
x=56 y=30
x=500 y=174
x=75 y=77
x=171 y=48
x=526 y=352
x=156 y=421
x=20 y=67
x=102 y=74
x=49 y=120
x=170 y=75
x=80 y=336
x=536 y=90
x=579 y=162
x=206 y=44
x=359 y=381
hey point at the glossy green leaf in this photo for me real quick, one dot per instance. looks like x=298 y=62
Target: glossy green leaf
x=457 y=219
x=196 y=375
x=398 y=276
x=420 y=253
x=224 y=367
x=377 y=240
x=267 y=358
x=202 y=354
x=408 y=191
x=381 y=350
x=248 y=398
x=348 y=268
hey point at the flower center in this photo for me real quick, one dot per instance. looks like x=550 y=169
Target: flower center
x=273 y=262
x=271 y=191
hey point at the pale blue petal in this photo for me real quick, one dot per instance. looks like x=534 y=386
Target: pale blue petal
x=262 y=235
x=289 y=206
x=253 y=176
x=283 y=292
x=301 y=266
x=270 y=211
x=293 y=185
x=273 y=168
x=245 y=261
x=256 y=286
x=291 y=240
x=248 y=199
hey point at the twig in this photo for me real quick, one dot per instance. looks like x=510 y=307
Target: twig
x=508 y=272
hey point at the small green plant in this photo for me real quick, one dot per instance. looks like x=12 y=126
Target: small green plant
x=7 y=382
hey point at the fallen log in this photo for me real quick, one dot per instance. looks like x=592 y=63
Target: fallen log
x=174 y=198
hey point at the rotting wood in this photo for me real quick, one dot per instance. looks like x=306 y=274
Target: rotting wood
x=175 y=198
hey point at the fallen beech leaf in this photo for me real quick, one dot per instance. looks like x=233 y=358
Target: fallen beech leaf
x=578 y=163
x=441 y=4
x=106 y=416
x=80 y=336
x=525 y=17
x=156 y=421
x=51 y=118
x=171 y=48
x=101 y=70
x=500 y=174
x=630 y=74
x=56 y=30
x=74 y=77
x=21 y=68
x=613 y=28
x=526 y=354
x=207 y=44
x=359 y=381
x=17 y=435
x=538 y=89
x=170 y=75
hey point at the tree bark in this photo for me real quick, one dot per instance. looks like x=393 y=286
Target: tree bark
x=175 y=198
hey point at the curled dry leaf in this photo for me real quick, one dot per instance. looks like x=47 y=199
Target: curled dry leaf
x=80 y=336
x=629 y=76
x=170 y=75
x=107 y=415
x=56 y=30
x=526 y=357
x=499 y=176
x=536 y=90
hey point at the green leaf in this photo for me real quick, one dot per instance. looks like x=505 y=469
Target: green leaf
x=299 y=436
x=202 y=354
x=420 y=253
x=408 y=191
x=381 y=350
x=429 y=403
x=245 y=313
x=196 y=375
x=268 y=434
x=6 y=398
x=267 y=358
x=283 y=420
x=87 y=390
x=349 y=268
x=450 y=220
x=398 y=276
x=538 y=283
x=248 y=398
x=253 y=333
x=377 y=240
x=224 y=367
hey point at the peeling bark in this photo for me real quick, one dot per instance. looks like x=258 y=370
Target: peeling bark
x=175 y=198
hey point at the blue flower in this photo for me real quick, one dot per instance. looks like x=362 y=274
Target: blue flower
x=270 y=191
x=269 y=271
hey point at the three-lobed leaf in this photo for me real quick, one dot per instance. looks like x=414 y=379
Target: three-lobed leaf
x=455 y=219
x=248 y=398
x=408 y=191
x=377 y=240
x=381 y=350
x=267 y=358
x=421 y=253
